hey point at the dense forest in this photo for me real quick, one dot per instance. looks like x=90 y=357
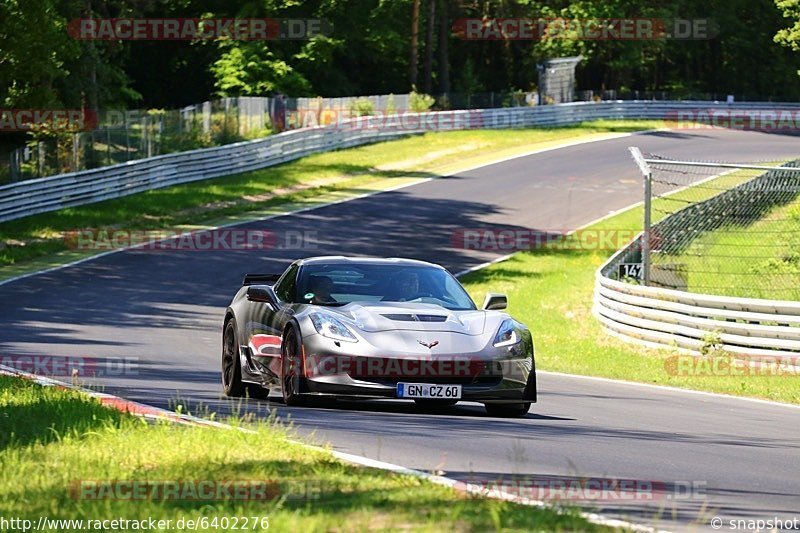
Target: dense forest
x=385 y=46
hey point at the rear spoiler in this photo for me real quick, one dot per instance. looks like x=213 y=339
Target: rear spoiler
x=260 y=279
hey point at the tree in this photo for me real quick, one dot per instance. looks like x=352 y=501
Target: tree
x=429 y=45
x=790 y=37
x=34 y=51
x=375 y=48
x=444 y=42
x=254 y=70
x=414 y=42
x=42 y=65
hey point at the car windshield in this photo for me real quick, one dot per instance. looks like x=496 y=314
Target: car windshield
x=340 y=284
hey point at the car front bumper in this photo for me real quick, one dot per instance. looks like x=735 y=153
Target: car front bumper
x=483 y=379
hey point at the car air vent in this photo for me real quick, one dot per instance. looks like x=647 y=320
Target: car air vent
x=401 y=318
x=431 y=318
x=415 y=318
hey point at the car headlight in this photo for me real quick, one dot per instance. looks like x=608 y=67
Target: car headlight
x=508 y=334
x=331 y=327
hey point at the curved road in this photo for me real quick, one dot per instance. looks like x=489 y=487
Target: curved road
x=162 y=310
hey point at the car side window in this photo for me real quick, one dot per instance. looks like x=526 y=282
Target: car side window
x=286 y=288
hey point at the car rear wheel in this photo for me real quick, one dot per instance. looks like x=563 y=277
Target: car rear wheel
x=232 y=384
x=231 y=364
x=292 y=368
x=507 y=410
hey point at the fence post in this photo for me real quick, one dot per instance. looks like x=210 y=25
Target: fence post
x=75 y=148
x=40 y=153
x=127 y=139
x=648 y=195
x=14 y=165
x=648 y=190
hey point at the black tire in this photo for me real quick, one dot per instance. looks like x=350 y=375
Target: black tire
x=507 y=410
x=434 y=404
x=292 y=381
x=231 y=364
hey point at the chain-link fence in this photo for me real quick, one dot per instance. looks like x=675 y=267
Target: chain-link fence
x=728 y=229
x=125 y=135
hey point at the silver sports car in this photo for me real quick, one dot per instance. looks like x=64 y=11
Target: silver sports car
x=375 y=328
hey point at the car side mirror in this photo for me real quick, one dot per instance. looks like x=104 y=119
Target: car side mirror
x=261 y=293
x=495 y=301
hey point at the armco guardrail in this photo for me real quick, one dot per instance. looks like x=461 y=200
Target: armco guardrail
x=55 y=192
x=665 y=317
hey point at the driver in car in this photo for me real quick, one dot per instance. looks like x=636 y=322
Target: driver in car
x=321 y=287
x=408 y=284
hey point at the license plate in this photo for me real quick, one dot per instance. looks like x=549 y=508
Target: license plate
x=428 y=390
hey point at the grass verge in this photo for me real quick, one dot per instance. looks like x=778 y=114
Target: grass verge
x=55 y=443
x=756 y=260
x=551 y=290
x=38 y=241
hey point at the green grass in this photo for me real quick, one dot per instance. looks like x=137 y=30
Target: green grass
x=256 y=194
x=758 y=260
x=54 y=439
x=551 y=291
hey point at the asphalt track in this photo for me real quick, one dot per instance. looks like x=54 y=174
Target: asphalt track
x=162 y=311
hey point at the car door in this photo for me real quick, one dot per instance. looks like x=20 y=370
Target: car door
x=265 y=325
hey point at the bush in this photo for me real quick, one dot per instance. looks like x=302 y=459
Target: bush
x=515 y=98
x=185 y=140
x=361 y=107
x=420 y=102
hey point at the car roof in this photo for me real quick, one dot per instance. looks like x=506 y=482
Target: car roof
x=345 y=260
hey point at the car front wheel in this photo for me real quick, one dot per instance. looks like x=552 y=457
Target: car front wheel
x=291 y=368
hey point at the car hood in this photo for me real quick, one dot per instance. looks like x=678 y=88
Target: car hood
x=411 y=317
